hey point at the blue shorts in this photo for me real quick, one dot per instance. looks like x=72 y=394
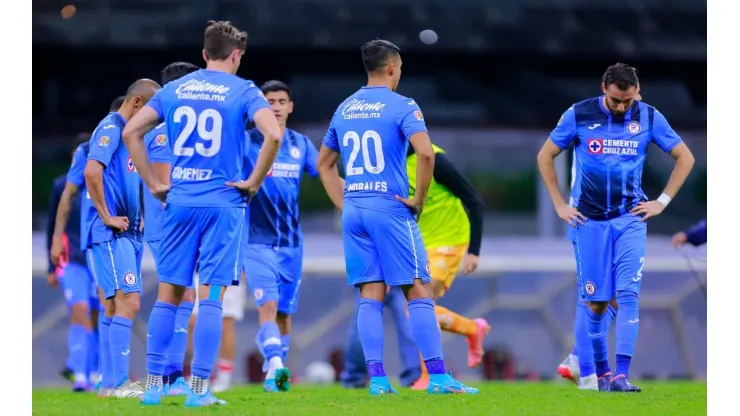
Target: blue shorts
x=610 y=256
x=78 y=285
x=117 y=266
x=209 y=236
x=382 y=247
x=156 y=248
x=274 y=275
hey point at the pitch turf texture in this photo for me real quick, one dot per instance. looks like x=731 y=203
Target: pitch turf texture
x=520 y=399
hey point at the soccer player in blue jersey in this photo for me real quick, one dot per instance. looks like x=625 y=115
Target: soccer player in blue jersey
x=371 y=131
x=611 y=134
x=114 y=236
x=204 y=221
x=274 y=254
x=78 y=285
x=159 y=155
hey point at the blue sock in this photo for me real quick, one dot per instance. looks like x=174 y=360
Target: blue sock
x=423 y=322
x=596 y=331
x=160 y=331
x=628 y=323
x=268 y=340
x=583 y=342
x=120 y=348
x=601 y=349
x=93 y=352
x=77 y=342
x=176 y=351
x=579 y=318
x=370 y=332
x=285 y=344
x=106 y=366
x=207 y=337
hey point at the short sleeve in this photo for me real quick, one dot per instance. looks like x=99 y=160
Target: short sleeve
x=104 y=143
x=564 y=132
x=76 y=172
x=663 y=135
x=156 y=103
x=312 y=157
x=254 y=100
x=412 y=119
x=157 y=146
x=330 y=139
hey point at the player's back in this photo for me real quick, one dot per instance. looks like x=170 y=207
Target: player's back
x=205 y=113
x=156 y=144
x=372 y=128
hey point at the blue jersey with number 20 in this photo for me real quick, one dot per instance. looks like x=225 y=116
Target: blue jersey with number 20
x=371 y=130
x=205 y=114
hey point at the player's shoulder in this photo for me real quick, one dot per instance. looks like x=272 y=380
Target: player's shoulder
x=112 y=123
x=297 y=136
x=589 y=104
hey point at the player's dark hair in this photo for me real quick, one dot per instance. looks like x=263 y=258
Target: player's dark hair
x=221 y=38
x=622 y=76
x=177 y=70
x=116 y=104
x=376 y=53
x=275 y=86
x=79 y=139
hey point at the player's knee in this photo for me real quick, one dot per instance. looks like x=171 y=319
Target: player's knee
x=189 y=296
x=170 y=294
x=128 y=304
x=267 y=312
x=79 y=313
x=598 y=307
x=438 y=288
x=373 y=290
x=614 y=303
x=419 y=290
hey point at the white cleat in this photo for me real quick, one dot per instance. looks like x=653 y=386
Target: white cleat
x=129 y=390
x=589 y=383
x=569 y=369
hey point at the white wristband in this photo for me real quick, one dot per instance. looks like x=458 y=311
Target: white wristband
x=664 y=199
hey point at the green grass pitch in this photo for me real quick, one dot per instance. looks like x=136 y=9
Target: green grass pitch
x=520 y=399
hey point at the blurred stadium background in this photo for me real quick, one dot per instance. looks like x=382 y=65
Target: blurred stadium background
x=491 y=88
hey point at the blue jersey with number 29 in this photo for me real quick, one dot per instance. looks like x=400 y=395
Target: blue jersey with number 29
x=205 y=114
x=371 y=131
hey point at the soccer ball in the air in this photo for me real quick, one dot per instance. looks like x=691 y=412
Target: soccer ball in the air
x=319 y=372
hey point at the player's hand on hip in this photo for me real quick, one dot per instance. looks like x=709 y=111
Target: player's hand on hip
x=248 y=188
x=57 y=250
x=416 y=205
x=470 y=263
x=570 y=215
x=117 y=224
x=648 y=209
x=160 y=191
x=679 y=239
x=52 y=279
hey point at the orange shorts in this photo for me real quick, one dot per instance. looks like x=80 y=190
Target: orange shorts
x=445 y=262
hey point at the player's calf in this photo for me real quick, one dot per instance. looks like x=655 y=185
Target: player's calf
x=208 y=327
x=285 y=324
x=80 y=329
x=126 y=307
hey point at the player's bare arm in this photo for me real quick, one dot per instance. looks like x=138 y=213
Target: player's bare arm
x=422 y=145
x=65 y=206
x=133 y=136
x=684 y=163
x=546 y=164
x=268 y=125
x=94 y=184
x=329 y=174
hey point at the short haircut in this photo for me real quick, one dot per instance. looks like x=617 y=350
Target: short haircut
x=275 y=86
x=142 y=88
x=622 y=76
x=177 y=70
x=221 y=39
x=116 y=104
x=377 y=53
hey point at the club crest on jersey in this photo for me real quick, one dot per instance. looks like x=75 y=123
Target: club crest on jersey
x=160 y=140
x=634 y=127
x=130 y=165
x=129 y=278
x=104 y=141
x=595 y=146
x=259 y=293
x=589 y=287
x=419 y=116
x=295 y=152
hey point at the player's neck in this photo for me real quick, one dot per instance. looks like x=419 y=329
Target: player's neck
x=378 y=82
x=126 y=112
x=221 y=66
x=283 y=127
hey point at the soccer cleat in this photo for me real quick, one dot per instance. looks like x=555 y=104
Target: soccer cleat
x=621 y=384
x=129 y=389
x=475 y=342
x=67 y=374
x=152 y=397
x=446 y=384
x=270 y=386
x=104 y=392
x=605 y=382
x=282 y=379
x=178 y=388
x=569 y=369
x=201 y=400
x=421 y=384
x=381 y=385
x=589 y=383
